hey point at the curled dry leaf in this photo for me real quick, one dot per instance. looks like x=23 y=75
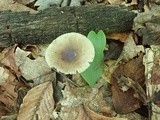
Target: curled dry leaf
x=118 y=36
x=9 y=60
x=33 y=49
x=95 y=116
x=38 y=103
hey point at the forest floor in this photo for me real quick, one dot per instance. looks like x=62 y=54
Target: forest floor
x=127 y=89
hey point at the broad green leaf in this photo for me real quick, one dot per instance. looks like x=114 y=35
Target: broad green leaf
x=95 y=70
x=98 y=40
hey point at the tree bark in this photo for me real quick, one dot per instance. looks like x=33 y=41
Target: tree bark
x=43 y=27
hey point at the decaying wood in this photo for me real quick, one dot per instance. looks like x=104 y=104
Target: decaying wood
x=151 y=62
x=43 y=27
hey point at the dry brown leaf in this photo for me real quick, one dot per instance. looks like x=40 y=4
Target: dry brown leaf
x=95 y=116
x=13 y=6
x=9 y=95
x=3 y=110
x=9 y=60
x=118 y=36
x=38 y=103
x=134 y=70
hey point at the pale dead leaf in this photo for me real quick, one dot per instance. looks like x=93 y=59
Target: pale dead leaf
x=14 y=6
x=130 y=49
x=38 y=103
x=3 y=75
x=36 y=70
x=20 y=56
x=24 y=2
x=9 y=117
x=73 y=98
x=115 y=1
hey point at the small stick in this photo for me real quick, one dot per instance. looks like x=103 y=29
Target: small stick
x=63 y=75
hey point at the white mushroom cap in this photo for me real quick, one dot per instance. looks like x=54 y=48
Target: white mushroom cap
x=70 y=53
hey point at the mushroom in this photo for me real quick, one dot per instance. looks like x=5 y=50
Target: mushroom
x=70 y=53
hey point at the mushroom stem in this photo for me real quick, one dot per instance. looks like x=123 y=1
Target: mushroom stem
x=63 y=75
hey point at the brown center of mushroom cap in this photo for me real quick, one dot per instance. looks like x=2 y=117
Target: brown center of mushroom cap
x=69 y=55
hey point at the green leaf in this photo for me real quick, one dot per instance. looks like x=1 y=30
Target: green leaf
x=95 y=70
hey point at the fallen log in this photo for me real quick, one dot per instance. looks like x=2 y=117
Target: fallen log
x=46 y=25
